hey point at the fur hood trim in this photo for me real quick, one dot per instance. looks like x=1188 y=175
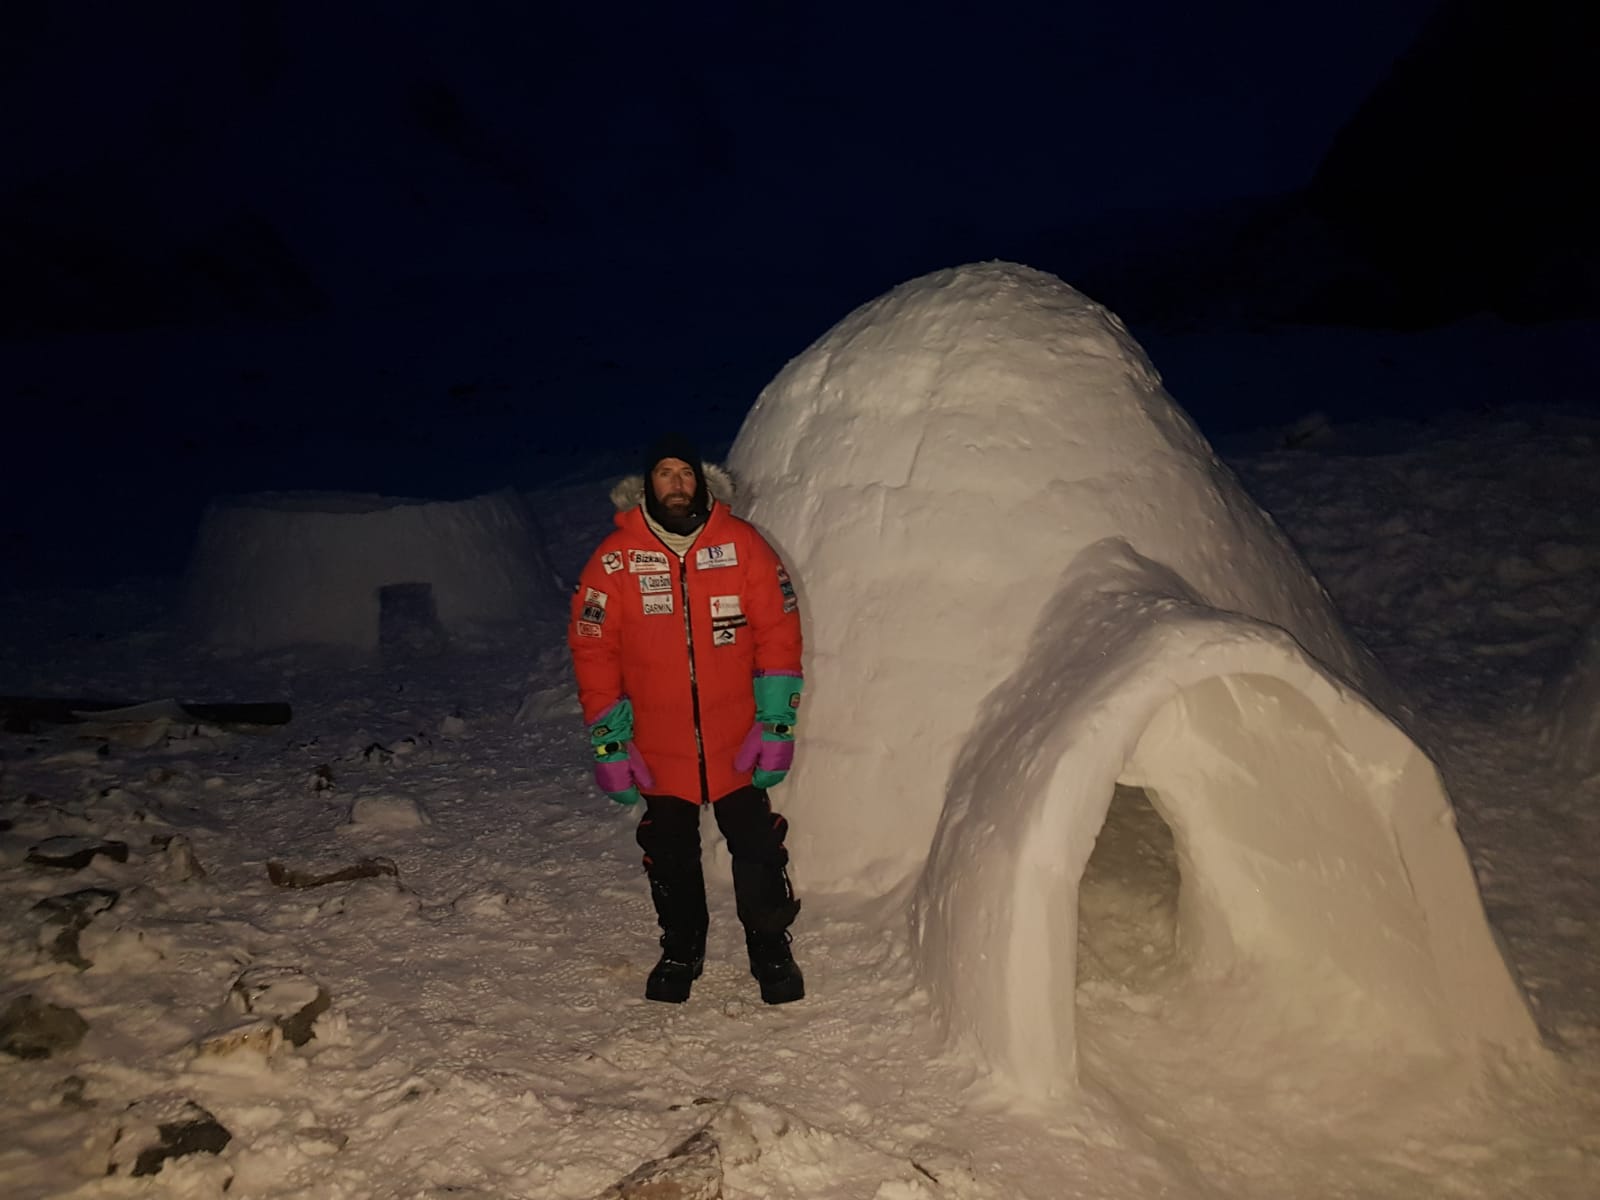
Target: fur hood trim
x=629 y=491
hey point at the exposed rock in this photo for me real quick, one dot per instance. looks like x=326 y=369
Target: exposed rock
x=33 y=1028
x=692 y=1171
x=178 y=862
x=288 y=996
x=72 y=853
x=260 y=1038
x=66 y=916
x=321 y=779
x=366 y=868
x=154 y=1130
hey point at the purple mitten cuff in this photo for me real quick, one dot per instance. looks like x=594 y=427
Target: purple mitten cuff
x=775 y=756
x=642 y=774
x=618 y=775
x=749 y=749
x=613 y=776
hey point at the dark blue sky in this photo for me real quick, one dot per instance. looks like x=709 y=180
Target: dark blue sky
x=408 y=246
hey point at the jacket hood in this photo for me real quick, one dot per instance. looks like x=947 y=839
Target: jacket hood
x=629 y=491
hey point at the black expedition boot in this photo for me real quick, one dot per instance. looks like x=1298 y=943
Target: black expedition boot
x=772 y=963
x=683 y=957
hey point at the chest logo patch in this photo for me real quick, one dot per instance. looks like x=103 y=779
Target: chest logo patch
x=655 y=583
x=640 y=561
x=725 y=555
x=611 y=561
x=656 y=606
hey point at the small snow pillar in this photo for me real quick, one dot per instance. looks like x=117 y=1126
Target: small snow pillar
x=286 y=568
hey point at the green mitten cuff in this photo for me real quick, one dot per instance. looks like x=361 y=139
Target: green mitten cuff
x=778 y=703
x=613 y=725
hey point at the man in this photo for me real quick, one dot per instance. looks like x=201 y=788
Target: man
x=686 y=640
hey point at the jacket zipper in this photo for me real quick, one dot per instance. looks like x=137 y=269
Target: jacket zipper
x=694 y=684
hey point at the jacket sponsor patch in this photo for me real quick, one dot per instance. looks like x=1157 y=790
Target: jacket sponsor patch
x=647 y=560
x=655 y=583
x=655 y=606
x=594 y=606
x=725 y=555
x=727 y=617
x=787 y=588
x=611 y=561
x=588 y=629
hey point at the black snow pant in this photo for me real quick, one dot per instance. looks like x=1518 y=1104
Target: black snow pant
x=669 y=834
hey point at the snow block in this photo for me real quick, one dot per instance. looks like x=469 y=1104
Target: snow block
x=1026 y=577
x=286 y=568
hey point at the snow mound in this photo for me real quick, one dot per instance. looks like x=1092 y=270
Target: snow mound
x=1026 y=577
x=364 y=572
x=387 y=813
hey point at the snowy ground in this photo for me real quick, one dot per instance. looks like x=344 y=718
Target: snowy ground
x=485 y=1034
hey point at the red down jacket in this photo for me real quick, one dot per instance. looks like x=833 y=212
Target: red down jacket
x=683 y=638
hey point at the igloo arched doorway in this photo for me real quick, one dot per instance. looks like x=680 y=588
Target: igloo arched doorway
x=1316 y=844
x=278 y=569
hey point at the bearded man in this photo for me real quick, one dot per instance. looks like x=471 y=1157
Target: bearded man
x=685 y=636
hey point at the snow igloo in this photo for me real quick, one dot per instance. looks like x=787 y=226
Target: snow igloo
x=1030 y=586
x=363 y=572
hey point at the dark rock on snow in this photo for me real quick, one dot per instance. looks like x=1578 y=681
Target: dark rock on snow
x=32 y=1028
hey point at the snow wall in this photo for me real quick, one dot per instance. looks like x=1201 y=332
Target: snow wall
x=1025 y=577
x=286 y=568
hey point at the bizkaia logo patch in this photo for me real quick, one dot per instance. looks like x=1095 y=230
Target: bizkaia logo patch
x=640 y=561
x=657 y=606
x=611 y=560
x=725 y=555
x=655 y=583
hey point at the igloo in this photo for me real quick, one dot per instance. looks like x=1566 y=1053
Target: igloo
x=356 y=571
x=1026 y=579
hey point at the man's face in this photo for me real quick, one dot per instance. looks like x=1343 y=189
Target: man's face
x=673 y=483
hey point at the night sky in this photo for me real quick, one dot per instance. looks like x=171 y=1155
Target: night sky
x=359 y=237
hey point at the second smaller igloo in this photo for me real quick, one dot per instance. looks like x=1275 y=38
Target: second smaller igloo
x=277 y=569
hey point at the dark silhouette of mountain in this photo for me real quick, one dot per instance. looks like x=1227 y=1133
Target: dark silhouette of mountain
x=1464 y=184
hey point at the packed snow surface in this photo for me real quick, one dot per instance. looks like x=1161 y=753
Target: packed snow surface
x=482 y=960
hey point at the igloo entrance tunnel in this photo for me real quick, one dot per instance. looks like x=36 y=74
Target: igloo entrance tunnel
x=1027 y=579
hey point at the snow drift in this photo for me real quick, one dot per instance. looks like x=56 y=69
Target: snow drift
x=358 y=571
x=1027 y=578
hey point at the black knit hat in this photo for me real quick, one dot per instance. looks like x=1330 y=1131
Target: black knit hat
x=675 y=445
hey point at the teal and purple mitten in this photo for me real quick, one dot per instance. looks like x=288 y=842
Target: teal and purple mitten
x=768 y=748
x=619 y=768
